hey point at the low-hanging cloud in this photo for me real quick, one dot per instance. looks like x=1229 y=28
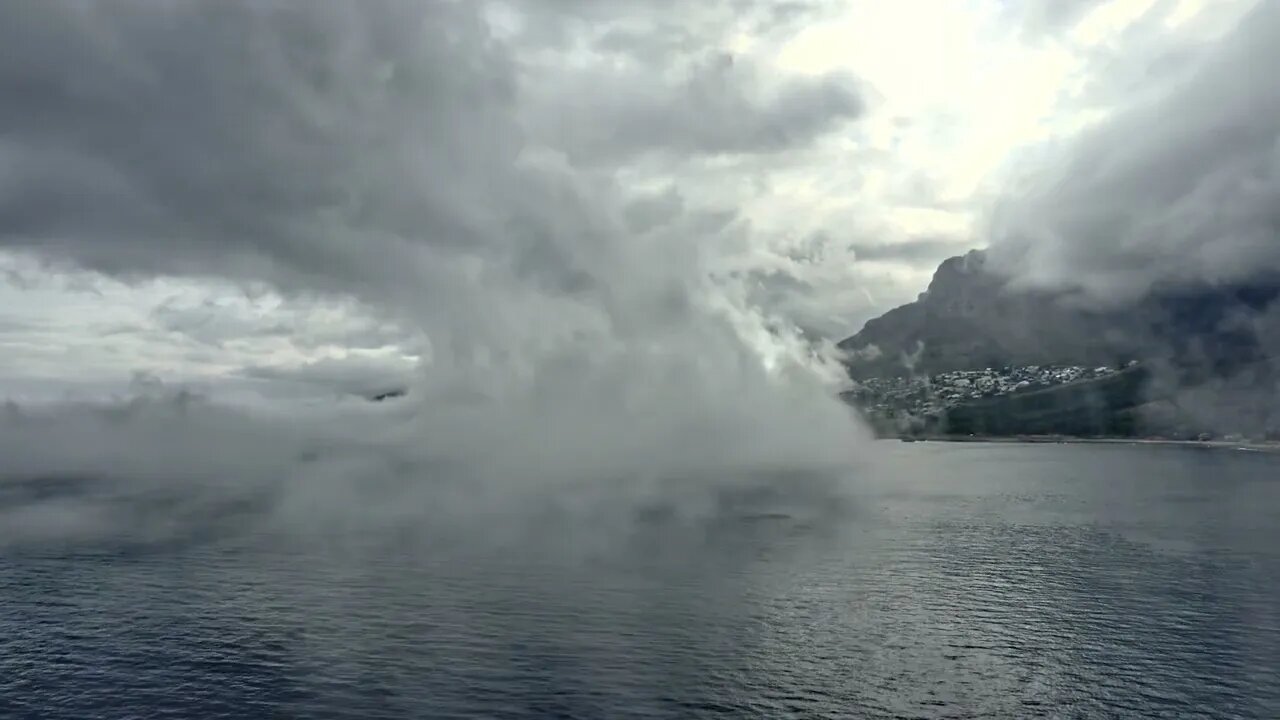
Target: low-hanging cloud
x=375 y=151
x=926 y=251
x=1182 y=185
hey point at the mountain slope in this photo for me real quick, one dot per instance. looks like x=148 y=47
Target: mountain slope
x=1210 y=350
x=968 y=319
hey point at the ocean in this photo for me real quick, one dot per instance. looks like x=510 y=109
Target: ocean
x=942 y=581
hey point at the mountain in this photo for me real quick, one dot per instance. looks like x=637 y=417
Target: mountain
x=971 y=318
x=1210 y=352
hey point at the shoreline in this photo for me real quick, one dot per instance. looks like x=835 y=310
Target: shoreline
x=1245 y=445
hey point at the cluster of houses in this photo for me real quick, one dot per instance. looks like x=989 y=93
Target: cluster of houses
x=926 y=396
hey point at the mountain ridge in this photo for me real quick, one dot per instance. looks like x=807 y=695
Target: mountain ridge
x=971 y=318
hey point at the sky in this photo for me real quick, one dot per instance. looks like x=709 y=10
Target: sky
x=321 y=199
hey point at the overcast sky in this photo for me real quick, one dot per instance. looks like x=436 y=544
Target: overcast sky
x=316 y=196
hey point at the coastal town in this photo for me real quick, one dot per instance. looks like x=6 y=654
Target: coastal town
x=930 y=396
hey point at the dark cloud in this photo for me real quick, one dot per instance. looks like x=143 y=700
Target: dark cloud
x=240 y=138
x=377 y=149
x=1038 y=20
x=913 y=251
x=657 y=30
x=720 y=106
x=1038 y=17
x=661 y=80
x=1183 y=186
x=322 y=146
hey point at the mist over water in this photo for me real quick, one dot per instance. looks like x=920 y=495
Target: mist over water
x=495 y=471
x=377 y=153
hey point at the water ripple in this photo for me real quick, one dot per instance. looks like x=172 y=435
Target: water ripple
x=965 y=594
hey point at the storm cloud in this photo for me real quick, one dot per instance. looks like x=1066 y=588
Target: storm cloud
x=376 y=150
x=289 y=142
x=718 y=107
x=382 y=154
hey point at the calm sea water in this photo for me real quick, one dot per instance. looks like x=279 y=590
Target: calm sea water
x=948 y=581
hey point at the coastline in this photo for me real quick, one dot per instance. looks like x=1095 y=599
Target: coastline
x=1245 y=445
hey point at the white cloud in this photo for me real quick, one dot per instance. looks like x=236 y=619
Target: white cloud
x=1180 y=184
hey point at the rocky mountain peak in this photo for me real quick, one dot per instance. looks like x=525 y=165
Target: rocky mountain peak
x=972 y=318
